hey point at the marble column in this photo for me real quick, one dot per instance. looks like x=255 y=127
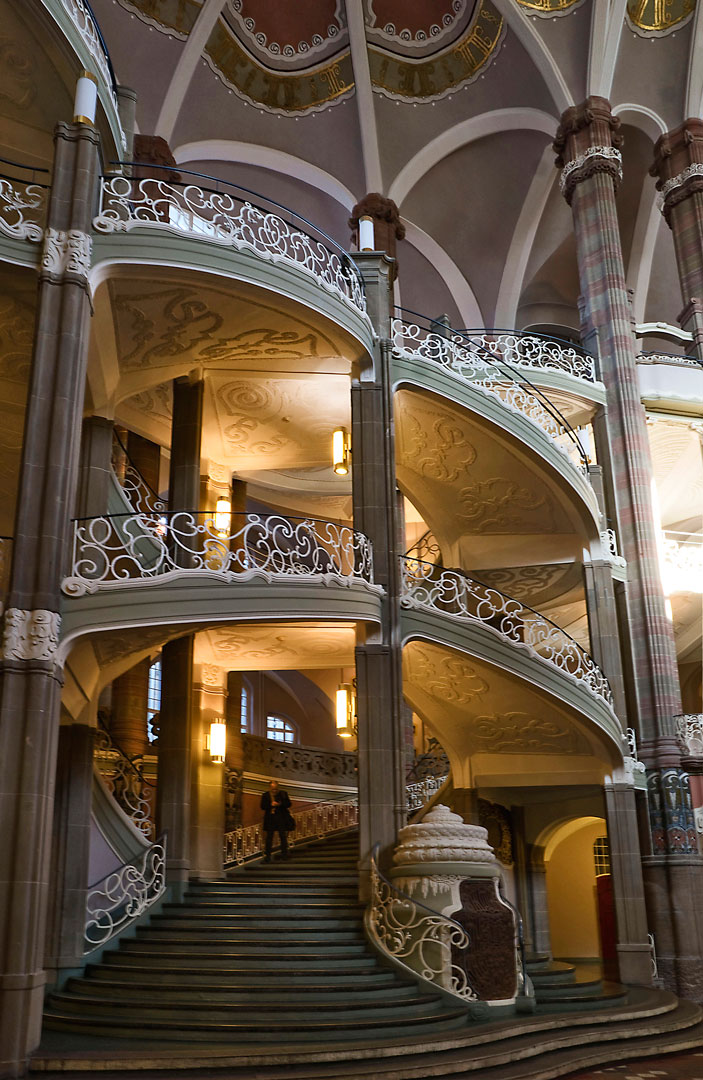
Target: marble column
x=70 y=854
x=377 y=513
x=632 y=944
x=30 y=672
x=678 y=167
x=587 y=146
x=173 y=792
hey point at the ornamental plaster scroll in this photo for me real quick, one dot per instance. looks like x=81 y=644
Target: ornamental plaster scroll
x=31 y=635
x=442 y=836
x=607 y=159
x=67 y=253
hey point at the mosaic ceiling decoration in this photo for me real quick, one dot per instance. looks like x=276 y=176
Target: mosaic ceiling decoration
x=295 y=59
x=549 y=8
x=655 y=18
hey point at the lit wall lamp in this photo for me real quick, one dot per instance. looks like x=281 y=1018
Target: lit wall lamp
x=85 y=103
x=345 y=710
x=222 y=520
x=341 y=451
x=216 y=740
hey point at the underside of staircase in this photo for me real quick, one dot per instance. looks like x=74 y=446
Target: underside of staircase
x=269 y=973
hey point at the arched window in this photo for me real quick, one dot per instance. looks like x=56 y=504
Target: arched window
x=153 y=701
x=245 y=710
x=281 y=730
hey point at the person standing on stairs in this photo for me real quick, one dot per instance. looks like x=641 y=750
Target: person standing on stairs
x=275 y=804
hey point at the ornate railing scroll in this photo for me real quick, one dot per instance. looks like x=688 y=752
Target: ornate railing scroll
x=475 y=364
x=110 y=551
x=540 y=352
x=83 y=18
x=419 y=792
x=298 y=762
x=671 y=359
x=23 y=201
x=460 y=597
x=689 y=729
x=427 y=548
x=319 y=820
x=138 y=493
x=114 y=902
x=223 y=213
x=424 y=942
x=126 y=782
x=425 y=777
x=635 y=770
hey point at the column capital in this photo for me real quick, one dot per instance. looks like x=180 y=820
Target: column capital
x=388 y=228
x=678 y=164
x=587 y=142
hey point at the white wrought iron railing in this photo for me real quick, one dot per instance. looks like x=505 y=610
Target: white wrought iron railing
x=460 y=597
x=689 y=729
x=219 y=212
x=671 y=359
x=426 y=547
x=424 y=942
x=473 y=363
x=125 y=780
x=319 y=820
x=111 y=551
x=118 y=899
x=635 y=770
x=539 y=352
x=138 y=493
x=23 y=201
x=420 y=792
x=83 y=18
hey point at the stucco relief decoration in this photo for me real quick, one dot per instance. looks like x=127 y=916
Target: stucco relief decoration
x=16 y=333
x=523 y=733
x=31 y=635
x=262 y=344
x=522 y=582
x=451 y=679
x=155 y=403
x=67 y=253
x=652 y=18
x=434 y=446
x=17 y=74
x=212 y=676
x=247 y=433
x=164 y=325
x=499 y=505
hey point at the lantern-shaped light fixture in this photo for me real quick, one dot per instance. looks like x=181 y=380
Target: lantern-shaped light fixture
x=366 y=233
x=341 y=451
x=345 y=710
x=216 y=740
x=223 y=517
x=85 y=103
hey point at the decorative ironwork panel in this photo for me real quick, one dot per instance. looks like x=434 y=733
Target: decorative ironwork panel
x=460 y=597
x=22 y=209
x=298 y=762
x=126 y=783
x=119 y=898
x=536 y=351
x=138 y=493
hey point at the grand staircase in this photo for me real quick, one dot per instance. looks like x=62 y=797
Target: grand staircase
x=268 y=975
x=278 y=948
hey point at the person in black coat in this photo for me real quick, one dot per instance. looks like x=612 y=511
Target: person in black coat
x=275 y=804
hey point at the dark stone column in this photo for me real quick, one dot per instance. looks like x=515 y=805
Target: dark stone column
x=70 y=855
x=30 y=672
x=234 y=758
x=186 y=428
x=539 y=905
x=173 y=792
x=130 y=701
x=377 y=513
x=634 y=956
x=95 y=468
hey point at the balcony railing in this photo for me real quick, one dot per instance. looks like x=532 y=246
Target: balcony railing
x=219 y=212
x=540 y=352
x=458 y=353
x=672 y=359
x=319 y=820
x=23 y=201
x=298 y=762
x=126 y=782
x=114 y=550
x=83 y=18
x=138 y=493
x=451 y=593
x=118 y=899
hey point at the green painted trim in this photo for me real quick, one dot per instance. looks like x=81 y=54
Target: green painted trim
x=423 y=375
x=161 y=247
x=477 y=640
x=20 y=252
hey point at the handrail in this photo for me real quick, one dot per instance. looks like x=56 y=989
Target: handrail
x=103 y=45
x=403 y=928
x=505 y=368
x=246 y=842
x=126 y=783
x=135 y=487
x=521 y=333
x=492 y=606
x=227 y=187
x=116 y=900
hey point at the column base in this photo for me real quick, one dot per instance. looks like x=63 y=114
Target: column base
x=635 y=964
x=673 y=884
x=21 y=1007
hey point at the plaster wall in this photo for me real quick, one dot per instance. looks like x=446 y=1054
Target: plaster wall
x=571 y=896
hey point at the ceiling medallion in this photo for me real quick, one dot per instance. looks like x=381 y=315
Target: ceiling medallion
x=656 y=18
x=175 y=18
x=550 y=8
x=435 y=77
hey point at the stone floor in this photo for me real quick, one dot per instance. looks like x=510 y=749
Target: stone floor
x=688 y=1066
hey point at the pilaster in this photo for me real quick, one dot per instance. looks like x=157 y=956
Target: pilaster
x=632 y=945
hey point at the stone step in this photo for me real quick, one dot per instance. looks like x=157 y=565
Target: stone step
x=331 y=980
x=263 y=922
x=554 y=970
x=246 y=958
x=243 y=992
x=233 y=947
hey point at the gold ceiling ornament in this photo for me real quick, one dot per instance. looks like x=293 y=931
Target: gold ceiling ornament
x=439 y=75
x=655 y=18
x=175 y=18
x=549 y=8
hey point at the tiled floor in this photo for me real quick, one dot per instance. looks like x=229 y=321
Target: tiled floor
x=688 y=1066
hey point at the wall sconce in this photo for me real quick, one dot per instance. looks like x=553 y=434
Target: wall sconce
x=341 y=451
x=85 y=103
x=345 y=710
x=216 y=741
x=222 y=520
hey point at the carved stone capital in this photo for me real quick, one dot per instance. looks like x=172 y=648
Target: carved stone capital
x=66 y=253
x=596 y=159
x=678 y=164
x=589 y=124
x=31 y=635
